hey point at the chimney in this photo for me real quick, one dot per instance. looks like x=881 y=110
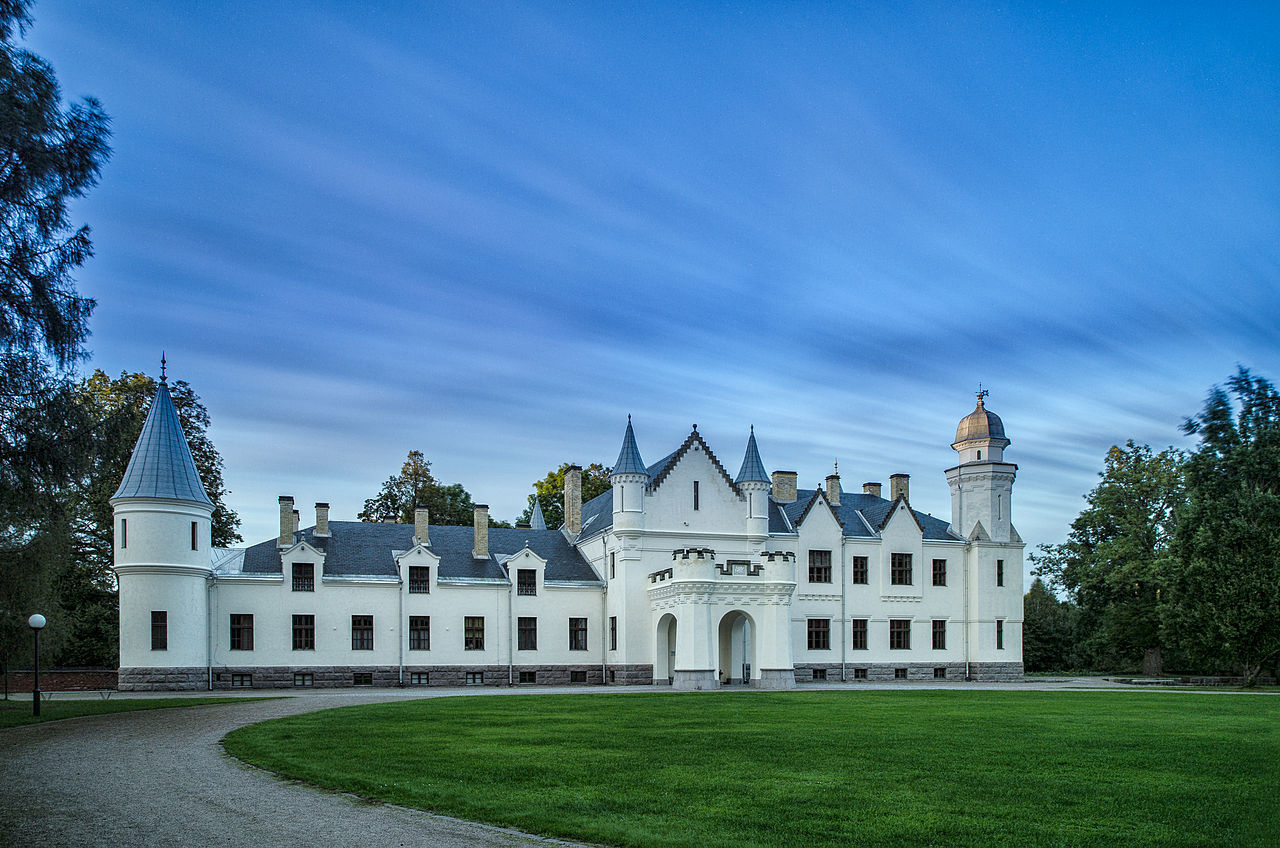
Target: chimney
x=784 y=486
x=871 y=489
x=573 y=499
x=833 y=489
x=482 y=532
x=286 y=522
x=297 y=522
x=898 y=485
x=421 y=518
x=322 y=519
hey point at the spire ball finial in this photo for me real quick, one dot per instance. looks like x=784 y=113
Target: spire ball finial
x=163 y=378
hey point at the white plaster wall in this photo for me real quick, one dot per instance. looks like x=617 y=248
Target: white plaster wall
x=670 y=507
x=182 y=595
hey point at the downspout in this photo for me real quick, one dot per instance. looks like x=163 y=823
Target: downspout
x=511 y=655
x=604 y=633
x=844 y=643
x=968 y=549
x=400 y=587
x=208 y=625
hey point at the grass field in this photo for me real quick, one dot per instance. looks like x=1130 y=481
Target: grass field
x=813 y=768
x=18 y=710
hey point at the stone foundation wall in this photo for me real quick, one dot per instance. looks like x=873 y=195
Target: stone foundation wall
x=161 y=679
x=915 y=671
x=322 y=677
x=629 y=675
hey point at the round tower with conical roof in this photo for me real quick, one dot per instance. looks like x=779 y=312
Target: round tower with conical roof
x=753 y=482
x=163 y=519
x=629 y=479
x=982 y=483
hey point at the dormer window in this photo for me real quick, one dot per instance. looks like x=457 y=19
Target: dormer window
x=526 y=581
x=419 y=580
x=304 y=577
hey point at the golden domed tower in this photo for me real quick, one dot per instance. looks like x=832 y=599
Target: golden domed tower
x=982 y=484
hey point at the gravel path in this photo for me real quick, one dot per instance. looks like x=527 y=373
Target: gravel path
x=159 y=777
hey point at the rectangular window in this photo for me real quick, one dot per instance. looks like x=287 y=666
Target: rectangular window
x=362 y=633
x=939 y=572
x=859 y=634
x=859 y=674
x=419 y=580
x=819 y=634
x=528 y=677
x=613 y=633
x=939 y=634
x=419 y=632
x=577 y=634
x=420 y=678
x=304 y=632
x=362 y=678
x=577 y=677
x=819 y=674
x=527 y=633
x=526 y=581
x=695 y=494
x=304 y=678
x=940 y=673
x=819 y=566
x=241 y=632
x=899 y=674
x=159 y=630
x=999 y=572
x=473 y=633
x=899 y=634
x=304 y=577
x=858 y=571
x=195 y=536
x=613 y=565
x=475 y=678
x=124 y=533
x=1000 y=634
x=242 y=681
x=900 y=569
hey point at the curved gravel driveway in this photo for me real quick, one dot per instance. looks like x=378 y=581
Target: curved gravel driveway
x=159 y=777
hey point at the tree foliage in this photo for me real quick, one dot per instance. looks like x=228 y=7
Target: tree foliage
x=1109 y=565
x=550 y=492
x=1049 y=631
x=1224 y=569
x=415 y=485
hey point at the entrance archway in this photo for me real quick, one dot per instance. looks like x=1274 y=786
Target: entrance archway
x=736 y=648
x=664 y=650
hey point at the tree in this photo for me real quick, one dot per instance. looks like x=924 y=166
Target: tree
x=1224 y=570
x=550 y=492
x=1109 y=565
x=415 y=486
x=1048 y=631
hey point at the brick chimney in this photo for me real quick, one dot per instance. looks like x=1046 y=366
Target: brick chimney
x=871 y=489
x=421 y=518
x=899 y=485
x=573 y=499
x=482 y=532
x=833 y=489
x=322 y=519
x=286 y=522
x=297 y=521
x=784 y=486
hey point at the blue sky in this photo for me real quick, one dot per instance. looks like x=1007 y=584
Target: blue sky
x=491 y=231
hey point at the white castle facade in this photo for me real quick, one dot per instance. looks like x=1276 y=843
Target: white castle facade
x=680 y=575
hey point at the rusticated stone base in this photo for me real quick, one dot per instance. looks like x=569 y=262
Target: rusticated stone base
x=775 y=678
x=629 y=675
x=996 y=671
x=695 y=680
x=854 y=672
x=162 y=679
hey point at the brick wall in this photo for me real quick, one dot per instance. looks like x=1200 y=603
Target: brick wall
x=64 y=679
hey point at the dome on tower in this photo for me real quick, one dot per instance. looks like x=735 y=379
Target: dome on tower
x=982 y=423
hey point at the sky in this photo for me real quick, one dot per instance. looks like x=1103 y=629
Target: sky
x=491 y=231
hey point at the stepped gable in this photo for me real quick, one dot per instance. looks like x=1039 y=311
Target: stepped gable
x=671 y=461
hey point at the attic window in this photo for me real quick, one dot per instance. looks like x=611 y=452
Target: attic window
x=695 y=494
x=979 y=454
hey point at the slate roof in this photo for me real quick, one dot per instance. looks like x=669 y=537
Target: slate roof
x=367 y=549
x=629 y=461
x=871 y=508
x=597 y=513
x=537 y=520
x=162 y=465
x=752 y=470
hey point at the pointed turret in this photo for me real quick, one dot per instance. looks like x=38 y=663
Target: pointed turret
x=162 y=465
x=629 y=461
x=536 y=519
x=752 y=468
x=629 y=478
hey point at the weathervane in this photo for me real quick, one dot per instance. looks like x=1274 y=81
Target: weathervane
x=982 y=393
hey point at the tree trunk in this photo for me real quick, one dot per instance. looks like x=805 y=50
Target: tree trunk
x=1153 y=662
x=1251 y=672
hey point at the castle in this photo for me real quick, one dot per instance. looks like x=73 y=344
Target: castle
x=681 y=574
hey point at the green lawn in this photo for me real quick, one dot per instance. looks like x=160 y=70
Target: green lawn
x=832 y=768
x=17 y=710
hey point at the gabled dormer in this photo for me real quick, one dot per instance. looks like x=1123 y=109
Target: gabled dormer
x=527 y=571
x=419 y=568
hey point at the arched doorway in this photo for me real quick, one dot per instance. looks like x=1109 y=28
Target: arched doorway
x=664 y=650
x=737 y=654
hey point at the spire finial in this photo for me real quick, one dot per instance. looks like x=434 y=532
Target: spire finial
x=695 y=428
x=982 y=393
x=163 y=378
x=628 y=417
x=836 y=463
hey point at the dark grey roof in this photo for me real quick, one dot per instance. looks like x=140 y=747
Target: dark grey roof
x=161 y=465
x=629 y=461
x=365 y=549
x=597 y=513
x=537 y=520
x=752 y=470
x=872 y=508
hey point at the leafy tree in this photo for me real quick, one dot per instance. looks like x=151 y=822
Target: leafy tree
x=550 y=492
x=414 y=486
x=1048 y=631
x=1109 y=564
x=1224 y=569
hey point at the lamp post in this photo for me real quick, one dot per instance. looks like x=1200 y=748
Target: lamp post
x=36 y=623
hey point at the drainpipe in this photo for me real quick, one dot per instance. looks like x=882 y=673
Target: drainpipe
x=511 y=654
x=967 y=551
x=400 y=587
x=208 y=625
x=844 y=643
x=604 y=633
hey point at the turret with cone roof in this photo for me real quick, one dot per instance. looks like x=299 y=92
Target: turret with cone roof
x=537 y=521
x=753 y=482
x=630 y=478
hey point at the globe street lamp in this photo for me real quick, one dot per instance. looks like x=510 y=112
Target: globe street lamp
x=36 y=623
